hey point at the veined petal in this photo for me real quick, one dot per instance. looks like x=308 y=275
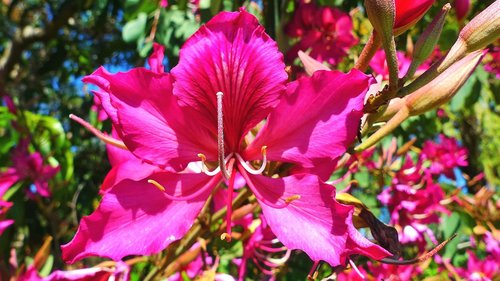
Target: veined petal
x=150 y=122
x=231 y=54
x=315 y=223
x=136 y=218
x=316 y=121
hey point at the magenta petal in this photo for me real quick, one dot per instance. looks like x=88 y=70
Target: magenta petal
x=231 y=54
x=7 y=179
x=316 y=121
x=4 y=224
x=315 y=223
x=155 y=61
x=136 y=218
x=150 y=122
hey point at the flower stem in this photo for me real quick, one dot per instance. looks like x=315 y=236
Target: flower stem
x=368 y=52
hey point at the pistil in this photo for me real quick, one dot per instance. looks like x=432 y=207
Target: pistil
x=220 y=137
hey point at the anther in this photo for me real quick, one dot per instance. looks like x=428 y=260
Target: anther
x=251 y=170
x=157 y=184
x=220 y=136
x=204 y=168
x=225 y=236
x=292 y=198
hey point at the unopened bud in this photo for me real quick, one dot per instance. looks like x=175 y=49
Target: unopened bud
x=408 y=13
x=477 y=34
x=381 y=14
x=427 y=41
x=444 y=87
x=430 y=96
x=482 y=30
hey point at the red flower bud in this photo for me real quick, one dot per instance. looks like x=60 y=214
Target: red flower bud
x=409 y=12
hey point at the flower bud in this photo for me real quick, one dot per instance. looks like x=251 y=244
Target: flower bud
x=482 y=30
x=461 y=8
x=432 y=95
x=409 y=12
x=381 y=14
x=428 y=40
x=444 y=87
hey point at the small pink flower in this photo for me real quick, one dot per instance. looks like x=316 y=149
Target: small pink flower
x=326 y=31
x=445 y=155
x=493 y=66
x=379 y=64
x=479 y=270
x=28 y=166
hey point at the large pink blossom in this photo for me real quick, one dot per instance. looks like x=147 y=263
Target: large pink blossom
x=326 y=31
x=230 y=77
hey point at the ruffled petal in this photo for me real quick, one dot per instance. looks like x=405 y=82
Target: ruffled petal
x=231 y=54
x=136 y=218
x=155 y=61
x=316 y=121
x=315 y=223
x=150 y=122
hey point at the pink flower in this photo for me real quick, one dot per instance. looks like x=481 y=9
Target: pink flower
x=445 y=155
x=229 y=78
x=413 y=201
x=264 y=249
x=326 y=31
x=493 y=66
x=479 y=270
x=28 y=166
x=379 y=64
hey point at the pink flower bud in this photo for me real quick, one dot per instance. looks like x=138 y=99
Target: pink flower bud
x=462 y=8
x=409 y=12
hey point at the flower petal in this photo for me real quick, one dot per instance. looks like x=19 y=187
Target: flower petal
x=315 y=223
x=136 y=218
x=231 y=54
x=150 y=122
x=316 y=121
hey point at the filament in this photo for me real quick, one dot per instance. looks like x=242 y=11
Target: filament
x=105 y=138
x=249 y=168
x=182 y=198
x=356 y=269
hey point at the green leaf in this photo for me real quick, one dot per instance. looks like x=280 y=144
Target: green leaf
x=135 y=29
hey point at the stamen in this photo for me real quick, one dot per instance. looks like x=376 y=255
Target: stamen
x=184 y=198
x=225 y=236
x=292 y=198
x=229 y=208
x=105 y=138
x=204 y=168
x=157 y=184
x=353 y=265
x=220 y=136
x=249 y=168
x=313 y=273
